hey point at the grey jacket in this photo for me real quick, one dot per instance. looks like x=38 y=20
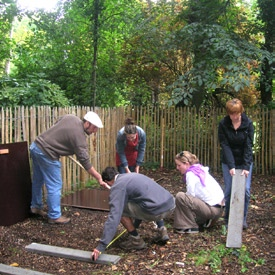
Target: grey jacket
x=139 y=189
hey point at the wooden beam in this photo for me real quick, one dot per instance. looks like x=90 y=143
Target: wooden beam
x=69 y=253
x=4 y=151
x=236 y=214
x=11 y=270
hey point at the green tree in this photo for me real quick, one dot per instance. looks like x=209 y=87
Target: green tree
x=267 y=16
x=116 y=52
x=222 y=53
x=151 y=58
x=64 y=46
x=8 y=11
x=194 y=51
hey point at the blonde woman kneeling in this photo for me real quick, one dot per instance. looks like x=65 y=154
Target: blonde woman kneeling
x=202 y=204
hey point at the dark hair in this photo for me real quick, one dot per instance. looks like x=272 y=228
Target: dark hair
x=109 y=173
x=130 y=126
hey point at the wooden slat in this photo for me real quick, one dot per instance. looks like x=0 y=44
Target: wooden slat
x=33 y=127
x=4 y=151
x=11 y=270
x=271 y=159
x=69 y=253
x=236 y=214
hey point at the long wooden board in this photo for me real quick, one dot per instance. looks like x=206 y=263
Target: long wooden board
x=236 y=214
x=11 y=270
x=69 y=253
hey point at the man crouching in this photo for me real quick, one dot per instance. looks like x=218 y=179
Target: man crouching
x=134 y=196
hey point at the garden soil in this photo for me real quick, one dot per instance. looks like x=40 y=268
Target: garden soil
x=203 y=253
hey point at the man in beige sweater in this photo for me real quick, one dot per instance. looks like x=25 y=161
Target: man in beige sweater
x=66 y=137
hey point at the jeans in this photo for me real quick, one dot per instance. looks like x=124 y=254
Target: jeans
x=121 y=169
x=48 y=172
x=227 y=192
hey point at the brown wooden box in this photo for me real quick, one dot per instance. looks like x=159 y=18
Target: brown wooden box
x=15 y=183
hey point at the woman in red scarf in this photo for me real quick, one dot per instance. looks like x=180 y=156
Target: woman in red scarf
x=130 y=147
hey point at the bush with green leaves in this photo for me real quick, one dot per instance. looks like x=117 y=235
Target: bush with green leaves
x=33 y=91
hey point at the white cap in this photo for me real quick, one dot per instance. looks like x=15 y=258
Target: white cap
x=93 y=118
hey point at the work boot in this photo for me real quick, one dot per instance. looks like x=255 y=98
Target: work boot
x=133 y=242
x=60 y=220
x=39 y=212
x=162 y=235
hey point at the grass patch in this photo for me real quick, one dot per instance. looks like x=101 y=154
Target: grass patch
x=214 y=257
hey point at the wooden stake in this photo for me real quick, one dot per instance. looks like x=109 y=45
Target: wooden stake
x=236 y=214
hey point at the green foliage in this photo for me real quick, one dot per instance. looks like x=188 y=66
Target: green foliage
x=150 y=165
x=266 y=15
x=142 y=52
x=91 y=184
x=224 y=230
x=214 y=257
x=221 y=60
x=151 y=60
x=8 y=11
x=30 y=92
x=61 y=45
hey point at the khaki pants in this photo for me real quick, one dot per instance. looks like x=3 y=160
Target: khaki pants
x=135 y=211
x=191 y=212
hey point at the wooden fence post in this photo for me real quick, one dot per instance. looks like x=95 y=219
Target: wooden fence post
x=236 y=214
x=162 y=123
x=272 y=130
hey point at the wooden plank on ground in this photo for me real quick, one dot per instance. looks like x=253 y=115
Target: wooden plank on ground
x=236 y=214
x=11 y=270
x=69 y=253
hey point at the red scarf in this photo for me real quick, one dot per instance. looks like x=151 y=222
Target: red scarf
x=130 y=151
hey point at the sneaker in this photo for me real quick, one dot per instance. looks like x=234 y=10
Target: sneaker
x=162 y=235
x=208 y=223
x=133 y=242
x=39 y=212
x=187 y=231
x=60 y=220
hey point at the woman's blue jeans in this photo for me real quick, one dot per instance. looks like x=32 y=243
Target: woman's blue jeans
x=227 y=191
x=121 y=169
x=48 y=172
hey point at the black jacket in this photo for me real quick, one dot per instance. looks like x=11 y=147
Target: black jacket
x=236 y=144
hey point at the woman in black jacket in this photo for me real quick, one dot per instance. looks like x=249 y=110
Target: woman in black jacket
x=236 y=133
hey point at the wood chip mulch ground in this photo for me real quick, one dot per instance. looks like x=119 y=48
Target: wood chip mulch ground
x=203 y=253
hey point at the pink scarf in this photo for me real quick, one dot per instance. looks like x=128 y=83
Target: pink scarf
x=198 y=171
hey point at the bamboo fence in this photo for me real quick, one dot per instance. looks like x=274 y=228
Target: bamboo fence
x=168 y=130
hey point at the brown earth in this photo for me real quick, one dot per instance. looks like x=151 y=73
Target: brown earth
x=181 y=255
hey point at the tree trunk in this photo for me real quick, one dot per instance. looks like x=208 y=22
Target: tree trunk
x=266 y=82
x=95 y=45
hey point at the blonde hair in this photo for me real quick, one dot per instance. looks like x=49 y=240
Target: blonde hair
x=187 y=157
x=130 y=126
x=234 y=106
